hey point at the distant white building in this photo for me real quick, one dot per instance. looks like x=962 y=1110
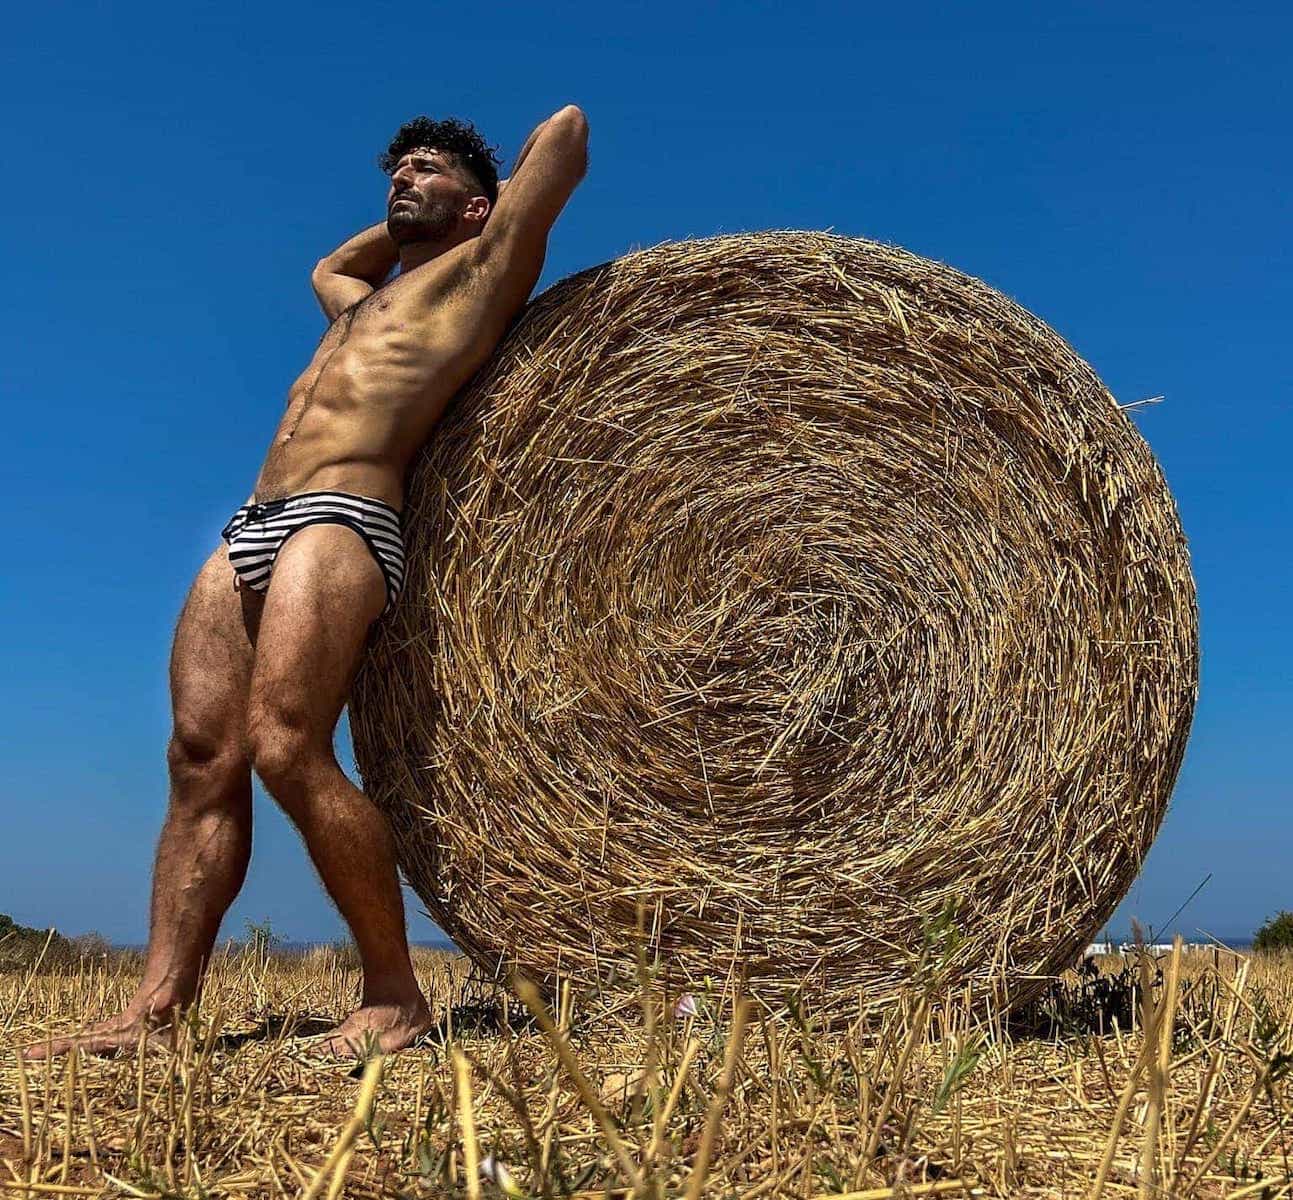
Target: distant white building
x=1154 y=948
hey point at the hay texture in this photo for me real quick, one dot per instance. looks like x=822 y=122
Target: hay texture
x=788 y=586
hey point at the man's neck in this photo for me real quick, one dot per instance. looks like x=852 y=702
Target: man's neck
x=414 y=254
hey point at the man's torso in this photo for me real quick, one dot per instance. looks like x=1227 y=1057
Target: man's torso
x=382 y=375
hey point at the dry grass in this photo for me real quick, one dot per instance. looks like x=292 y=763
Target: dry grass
x=792 y=585
x=1109 y=1088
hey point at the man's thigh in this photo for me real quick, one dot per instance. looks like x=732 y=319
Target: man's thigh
x=325 y=592
x=211 y=659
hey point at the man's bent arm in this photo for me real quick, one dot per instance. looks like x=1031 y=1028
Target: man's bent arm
x=355 y=269
x=547 y=170
x=538 y=131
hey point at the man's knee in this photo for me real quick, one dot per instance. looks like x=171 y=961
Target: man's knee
x=204 y=762
x=284 y=755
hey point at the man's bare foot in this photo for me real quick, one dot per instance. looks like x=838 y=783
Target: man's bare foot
x=118 y=1033
x=383 y=1027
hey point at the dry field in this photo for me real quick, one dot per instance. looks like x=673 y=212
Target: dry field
x=1105 y=1088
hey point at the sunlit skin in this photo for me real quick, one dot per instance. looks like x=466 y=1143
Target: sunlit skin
x=258 y=680
x=393 y=357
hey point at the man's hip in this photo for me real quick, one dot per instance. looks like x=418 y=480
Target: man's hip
x=256 y=534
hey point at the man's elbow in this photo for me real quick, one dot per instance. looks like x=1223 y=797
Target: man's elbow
x=320 y=286
x=571 y=121
x=571 y=126
x=572 y=114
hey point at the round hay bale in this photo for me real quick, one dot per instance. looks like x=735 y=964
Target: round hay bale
x=789 y=587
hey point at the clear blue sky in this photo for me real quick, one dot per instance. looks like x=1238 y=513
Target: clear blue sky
x=173 y=171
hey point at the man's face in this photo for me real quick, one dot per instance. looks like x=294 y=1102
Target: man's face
x=428 y=196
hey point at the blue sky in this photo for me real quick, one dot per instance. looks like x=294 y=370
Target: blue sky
x=173 y=172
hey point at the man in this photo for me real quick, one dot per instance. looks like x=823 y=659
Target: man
x=272 y=631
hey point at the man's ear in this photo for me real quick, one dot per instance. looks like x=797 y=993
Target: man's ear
x=477 y=210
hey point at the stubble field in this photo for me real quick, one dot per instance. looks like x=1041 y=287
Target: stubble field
x=1163 y=1076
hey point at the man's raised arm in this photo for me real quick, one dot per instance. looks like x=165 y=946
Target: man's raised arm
x=546 y=172
x=355 y=269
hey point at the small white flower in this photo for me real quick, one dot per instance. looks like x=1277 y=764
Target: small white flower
x=686 y=1006
x=497 y=1173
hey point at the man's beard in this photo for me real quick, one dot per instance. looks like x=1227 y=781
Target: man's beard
x=428 y=222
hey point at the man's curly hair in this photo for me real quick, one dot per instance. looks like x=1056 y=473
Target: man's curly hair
x=459 y=138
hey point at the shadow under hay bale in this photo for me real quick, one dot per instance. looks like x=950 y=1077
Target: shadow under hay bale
x=783 y=588
x=1092 y=1005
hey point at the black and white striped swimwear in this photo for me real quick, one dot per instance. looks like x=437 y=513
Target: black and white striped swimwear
x=257 y=532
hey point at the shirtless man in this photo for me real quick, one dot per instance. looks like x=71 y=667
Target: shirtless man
x=271 y=634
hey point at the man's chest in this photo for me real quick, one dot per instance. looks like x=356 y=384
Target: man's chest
x=428 y=320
